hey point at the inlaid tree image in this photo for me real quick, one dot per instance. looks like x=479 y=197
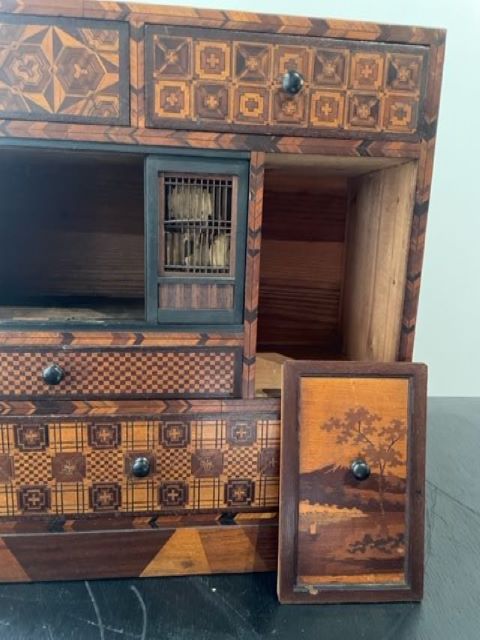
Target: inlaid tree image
x=375 y=438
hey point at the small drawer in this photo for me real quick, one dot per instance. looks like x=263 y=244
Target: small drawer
x=82 y=78
x=192 y=372
x=292 y=85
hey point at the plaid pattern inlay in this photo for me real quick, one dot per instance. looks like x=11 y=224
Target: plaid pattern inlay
x=86 y=466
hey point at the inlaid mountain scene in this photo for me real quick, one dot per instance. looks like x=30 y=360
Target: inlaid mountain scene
x=350 y=529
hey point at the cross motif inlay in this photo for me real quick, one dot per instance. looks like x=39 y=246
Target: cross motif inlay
x=289 y=107
x=171 y=56
x=241 y=433
x=252 y=63
x=404 y=74
x=171 y=99
x=366 y=71
x=211 y=101
x=174 y=434
x=326 y=109
x=239 y=493
x=213 y=61
x=105 y=497
x=34 y=500
x=31 y=436
x=363 y=111
x=173 y=495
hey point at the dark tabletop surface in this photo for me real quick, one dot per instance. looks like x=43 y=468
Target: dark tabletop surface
x=245 y=606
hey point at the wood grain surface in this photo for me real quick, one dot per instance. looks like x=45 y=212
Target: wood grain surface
x=379 y=227
x=168 y=551
x=301 y=267
x=335 y=530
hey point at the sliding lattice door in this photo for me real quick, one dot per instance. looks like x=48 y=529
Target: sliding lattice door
x=198 y=216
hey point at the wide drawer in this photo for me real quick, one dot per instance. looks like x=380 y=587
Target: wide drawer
x=224 y=461
x=90 y=373
x=69 y=70
x=223 y=80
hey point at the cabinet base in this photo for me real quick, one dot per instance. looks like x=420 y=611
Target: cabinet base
x=165 y=551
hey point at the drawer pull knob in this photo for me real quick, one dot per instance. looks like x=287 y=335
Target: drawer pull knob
x=360 y=469
x=292 y=82
x=53 y=374
x=141 y=467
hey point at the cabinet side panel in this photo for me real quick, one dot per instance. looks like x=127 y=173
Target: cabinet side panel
x=380 y=220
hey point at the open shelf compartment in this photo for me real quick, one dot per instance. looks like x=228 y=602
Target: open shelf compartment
x=71 y=236
x=335 y=241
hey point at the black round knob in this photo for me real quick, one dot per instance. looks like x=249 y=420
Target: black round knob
x=292 y=82
x=141 y=467
x=53 y=374
x=360 y=469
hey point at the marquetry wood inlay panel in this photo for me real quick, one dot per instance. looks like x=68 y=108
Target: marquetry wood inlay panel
x=71 y=70
x=55 y=467
x=218 y=80
x=114 y=373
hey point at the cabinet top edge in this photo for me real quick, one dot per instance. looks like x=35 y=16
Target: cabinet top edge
x=138 y=14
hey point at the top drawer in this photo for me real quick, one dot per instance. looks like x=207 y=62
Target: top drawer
x=69 y=70
x=219 y=80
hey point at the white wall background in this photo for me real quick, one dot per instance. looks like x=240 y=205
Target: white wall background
x=448 y=329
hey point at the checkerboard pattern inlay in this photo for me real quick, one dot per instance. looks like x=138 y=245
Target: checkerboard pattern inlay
x=114 y=373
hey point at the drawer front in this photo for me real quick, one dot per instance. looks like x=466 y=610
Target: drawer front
x=69 y=70
x=129 y=372
x=214 y=462
x=222 y=80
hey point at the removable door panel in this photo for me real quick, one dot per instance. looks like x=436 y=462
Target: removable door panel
x=352 y=482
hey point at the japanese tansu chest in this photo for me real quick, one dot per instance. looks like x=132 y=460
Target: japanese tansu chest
x=193 y=200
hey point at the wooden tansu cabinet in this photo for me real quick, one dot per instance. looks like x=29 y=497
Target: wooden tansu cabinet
x=188 y=199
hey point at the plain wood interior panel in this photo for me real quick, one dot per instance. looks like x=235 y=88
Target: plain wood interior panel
x=302 y=261
x=196 y=296
x=71 y=228
x=378 y=236
x=268 y=379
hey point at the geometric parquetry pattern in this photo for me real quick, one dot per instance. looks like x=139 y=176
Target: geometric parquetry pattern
x=110 y=373
x=85 y=467
x=75 y=70
x=227 y=79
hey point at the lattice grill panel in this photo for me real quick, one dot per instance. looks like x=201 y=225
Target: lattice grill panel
x=198 y=224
